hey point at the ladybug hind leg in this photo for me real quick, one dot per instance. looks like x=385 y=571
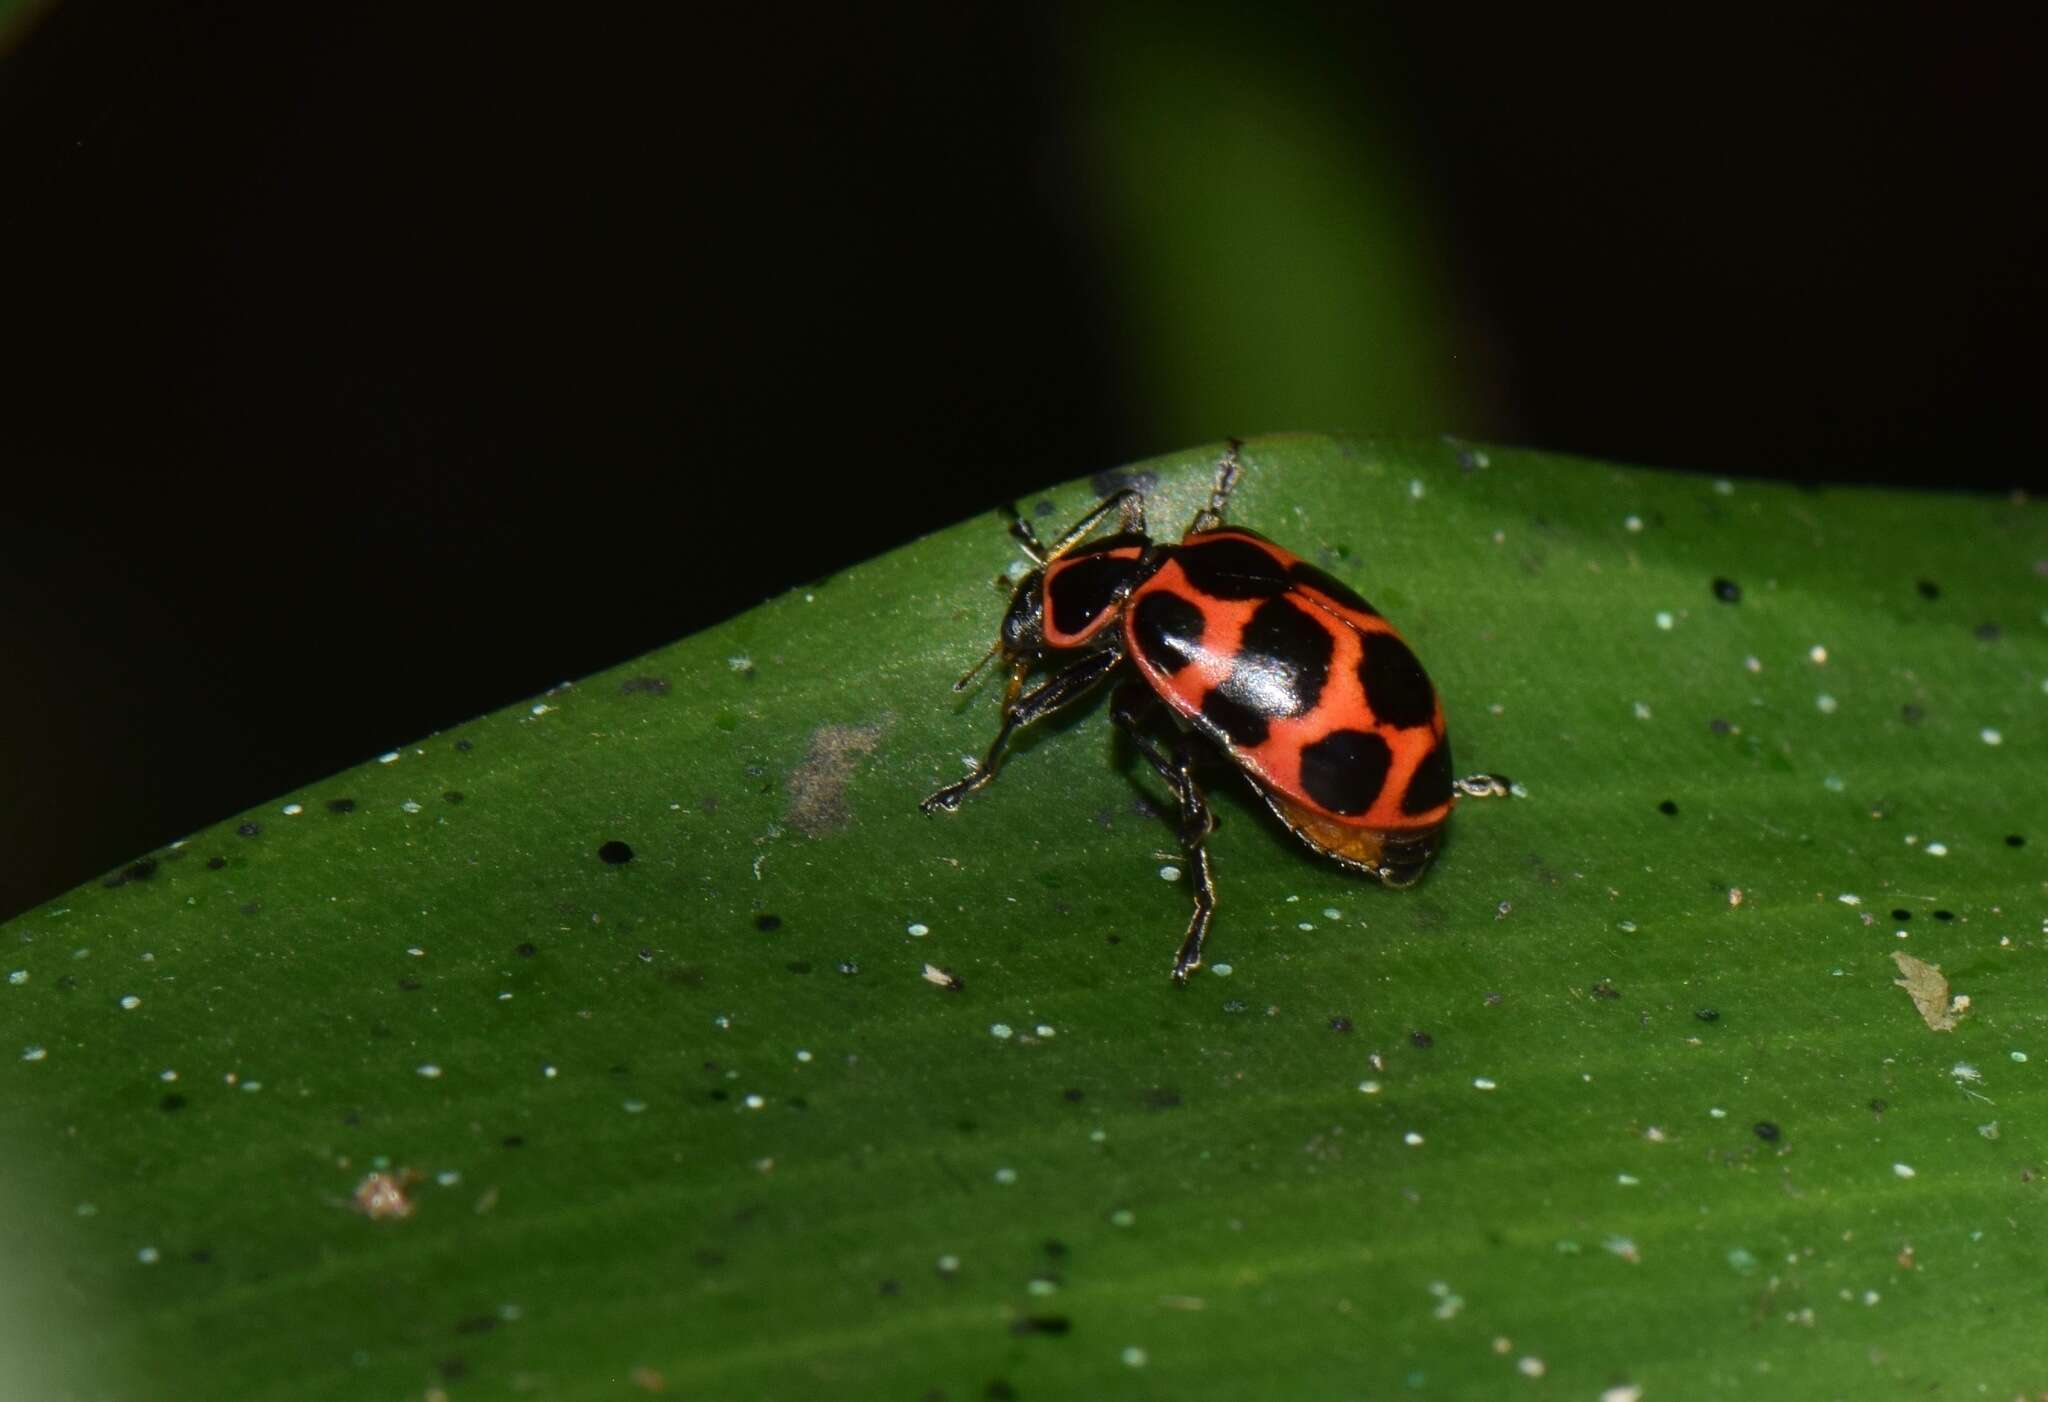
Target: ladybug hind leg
x=1196 y=822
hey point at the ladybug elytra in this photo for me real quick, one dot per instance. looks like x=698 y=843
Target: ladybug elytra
x=1257 y=654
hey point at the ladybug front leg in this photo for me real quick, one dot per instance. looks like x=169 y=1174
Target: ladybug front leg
x=1196 y=821
x=1058 y=692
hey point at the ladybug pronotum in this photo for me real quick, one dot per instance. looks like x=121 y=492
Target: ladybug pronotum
x=1255 y=652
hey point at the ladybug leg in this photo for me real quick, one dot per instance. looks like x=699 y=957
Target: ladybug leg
x=1484 y=786
x=1059 y=691
x=1196 y=821
x=1127 y=504
x=1211 y=516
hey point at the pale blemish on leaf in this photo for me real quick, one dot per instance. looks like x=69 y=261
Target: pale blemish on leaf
x=817 y=787
x=1929 y=991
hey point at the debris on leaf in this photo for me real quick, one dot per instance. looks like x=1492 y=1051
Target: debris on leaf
x=816 y=788
x=1929 y=991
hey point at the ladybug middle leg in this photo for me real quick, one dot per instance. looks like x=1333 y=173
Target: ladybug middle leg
x=1130 y=707
x=1056 y=693
x=1211 y=516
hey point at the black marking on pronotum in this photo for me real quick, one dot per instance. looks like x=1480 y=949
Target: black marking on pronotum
x=1088 y=584
x=614 y=853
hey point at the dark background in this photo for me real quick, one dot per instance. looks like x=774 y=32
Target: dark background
x=371 y=367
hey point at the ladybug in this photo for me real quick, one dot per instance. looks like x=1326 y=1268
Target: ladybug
x=1257 y=654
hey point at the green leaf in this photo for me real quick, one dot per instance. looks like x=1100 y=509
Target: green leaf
x=1626 y=1097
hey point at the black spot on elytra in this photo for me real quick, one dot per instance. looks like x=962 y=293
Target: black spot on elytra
x=765 y=923
x=1330 y=587
x=1168 y=629
x=1081 y=587
x=615 y=853
x=1240 y=724
x=1430 y=785
x=1396 y=687
x=1902 y=914
x=1232 y=567
x=341 y=805
x=1944 y=915
x=1345 y=770
x=1728 y=591
x=1282 y=661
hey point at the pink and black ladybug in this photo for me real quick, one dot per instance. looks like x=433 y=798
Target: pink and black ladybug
x=1284 y=670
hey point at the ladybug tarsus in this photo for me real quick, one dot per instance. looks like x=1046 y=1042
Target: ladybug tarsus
x=1130 y=707
x=1484 y=786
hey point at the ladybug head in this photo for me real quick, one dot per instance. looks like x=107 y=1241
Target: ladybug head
x=1020 y=642
x=1023 y=633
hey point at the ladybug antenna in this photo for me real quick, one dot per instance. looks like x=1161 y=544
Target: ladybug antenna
x=971 y=673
